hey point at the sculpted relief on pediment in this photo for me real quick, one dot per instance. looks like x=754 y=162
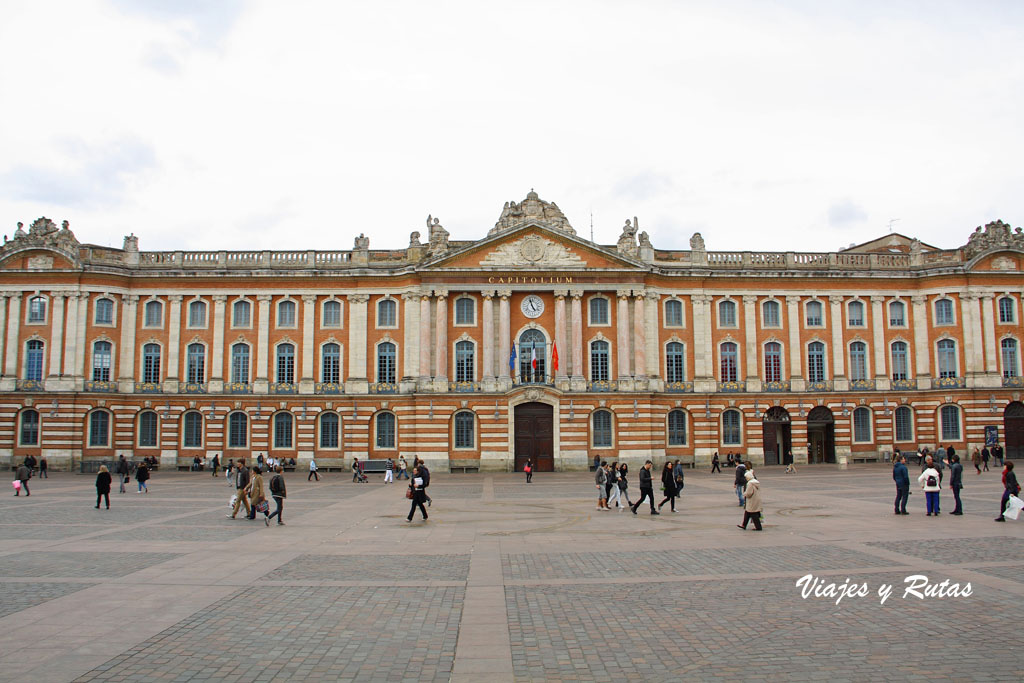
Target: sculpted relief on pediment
x=532 y=250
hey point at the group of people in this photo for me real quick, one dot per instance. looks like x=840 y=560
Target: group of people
x=26 y=470
x=251 y=492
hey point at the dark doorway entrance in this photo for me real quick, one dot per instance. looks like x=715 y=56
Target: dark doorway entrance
x=534 y=436
x=1013 y=428
x=776 y=437
x=821 y=435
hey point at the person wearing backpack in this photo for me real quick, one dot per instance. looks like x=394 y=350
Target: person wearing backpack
x=931 y=484
x=279 y=493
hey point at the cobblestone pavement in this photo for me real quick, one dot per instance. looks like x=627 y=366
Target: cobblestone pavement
x=506 y=581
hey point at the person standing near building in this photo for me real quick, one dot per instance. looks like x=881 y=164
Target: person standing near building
x=215 y=465
x=902 y=479
x=751 y=501
x=931 y=485
x=716 y=465
x=312 y=470
x=30 y=460
x=976 y=461
x=123 y=471
x=985 y=455
x=668 y=483
x=279 y=492
x=241 y=484
x=597 y=462
x=425 y=475
x=740 y=481
x=997 y=455
x=43 y=466
x=417 y=486
x=956 y=482
x=601 y=481
x=646 y=488
x=103 y=486
x=142 y=476
x=403 y=468
x=22 y=476
x=1010 y=488
x=528 y=469
x=389 y=471
x=355 y=469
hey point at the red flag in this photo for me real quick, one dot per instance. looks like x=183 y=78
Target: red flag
x=533 y=358
x=554 y=356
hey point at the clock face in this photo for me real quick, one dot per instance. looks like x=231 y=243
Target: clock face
x=532 y=306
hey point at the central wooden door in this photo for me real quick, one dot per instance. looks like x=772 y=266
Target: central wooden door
x=534 y=436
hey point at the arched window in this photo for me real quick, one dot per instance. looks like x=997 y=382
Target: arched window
x=862 y=425
x=386 y=362
x=731 y=435
x=332 y=314
x=241 y=314
x=286 y=314
x=898 y=352
x=947 y=358
x=855 y=314
x=944 y=312
x=897 y=314
x=465 y=362
x=599 y=311
x=858 y=360
x=34 y=360
x=727 y=313
x=197 y=314
x=904 y=419
x=770 y=314
x=196 y=356
x=464 y=429
x=673 y=313
x=532 y=356
x=104 y=312
x=385 y=430
x=238 y=430
x=151 y=363
x=99 y=428
x=330 y=365
x=29 y=432
x=814 y=318
x=816 y=362
x=193 y=430
x=240 y=363
x=283 y=430
x=154 y=314
x=602 y=429
x=37 y=309
x=101 y=352
x=773 y=362
x=465 y=311
x=329 y=430
x=728 y=362
x=1009 y=353
x=950 y=418
x=675 y=362
x=387 y=313
x=147 y=425
x=599 y=361
x=285 y=364
x=1006 y=310
x=676 y=428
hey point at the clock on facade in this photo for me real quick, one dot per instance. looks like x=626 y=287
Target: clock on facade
x=532 y=306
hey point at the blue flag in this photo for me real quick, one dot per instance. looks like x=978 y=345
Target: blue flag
x=512 y=359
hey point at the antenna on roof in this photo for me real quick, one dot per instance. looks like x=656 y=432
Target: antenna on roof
x=591 y=225
x=891 y=221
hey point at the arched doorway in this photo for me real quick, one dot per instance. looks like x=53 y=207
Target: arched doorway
x=776 y=436
x=534 y=436
x=532 y=345
x=821 y=435
x=1013 y=429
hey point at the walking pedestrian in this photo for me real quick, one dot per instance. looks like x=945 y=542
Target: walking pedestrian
x=601 y=480
x=425 y=475
x=279 y=492
x=791 y=462
x=751 y=501
x=528 y=468
x=30 y=460
x=716 y=465
x=418 y=488
x=931 y=485
x=677 y=474
x=215 y=465
x=902 y=479
x=985 y=455
x=103 y=486
x=22 y=476
x=597 y=462
x=615 y=493
x=241 y=484
x=43 y=466
x=403 y=468
x=123 y=471
x=956 y=482
x=1010 y=488
x=668 y=483
x=389 y=471
x=259 y=462
x=997 y=455
x=976 y=460
x=355 y=468
x=142 y=476
x=740 y=481
x=257 y=495
x=624 y=483
x=646 y=488
x=313 y=470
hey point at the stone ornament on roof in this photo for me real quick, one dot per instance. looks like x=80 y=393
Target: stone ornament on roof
x=533 y=209
x=44 y=233
x=438 y=240
x=532 y=250
x=994 y=236
x=627 y=240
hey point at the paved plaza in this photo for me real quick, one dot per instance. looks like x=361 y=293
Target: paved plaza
x=507 y=581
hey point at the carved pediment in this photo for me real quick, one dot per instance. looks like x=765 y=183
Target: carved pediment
x=532 y=250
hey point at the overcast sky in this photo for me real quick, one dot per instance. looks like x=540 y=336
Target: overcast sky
x=298 y=125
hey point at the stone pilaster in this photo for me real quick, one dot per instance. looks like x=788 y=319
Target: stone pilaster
x=922 y=350
x=837 y=322
x=796 y=352
x=307 y=378
x=652 y=341
x=988 y=331
x=261 y=383
x=55 y=371
x=622 y=329
x=505 y=338
x=424 y=382
x=357 y=382
x=129 y=322
x=441 y=340
x=71 y=323
x=639 y=340
x=10 y=376
x=751 y=374
x=578 y=381
x=174 y=370
x=487 y=319
x=878 y=322
x=411 y=353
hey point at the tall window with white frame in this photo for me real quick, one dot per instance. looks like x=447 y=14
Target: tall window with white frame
x=676 y=428
x=238 y=430
x=731 y=435
x=599 y=365
x=387 y=313
x=148 y=423
x=728 y=362
x=862 y=425
x=904 y=419
x=675 y=362
x=240 y=363
x=241 y=314
x=898 y=351
x=37 y=309
x=386 y=363
x=151 y=363
x=104 y=312
x=193 y=430
x=947 y=358
x=99 y=429
x=465 y=422
x=601 y=428
x=673 y=313
x=332 y=314
x=153 y=314
x=598 y=311
x=858 y=361
x=1006 y=310
x=1008 y=347
x=897 y=314
x=727 y=313
x=532 y=356
x=197 y=314
x=949 y=416
x=34 y=360
x=465 y=311
x=329 y=430
x=286 y=314
x=330 y=371
x=944 y=312
x=814 y=314
x=770 y=314
x=196 y=363
x=29 y=432
x=285 y=364
x=283 y=437
x=465 y=363
x=101 y=352
x=385 y=430
x=816 y=362
x=855 y=311
x=773 y=362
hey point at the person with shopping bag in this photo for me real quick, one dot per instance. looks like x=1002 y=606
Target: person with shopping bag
x=1010 y=488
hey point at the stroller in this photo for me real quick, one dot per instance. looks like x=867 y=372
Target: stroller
x=361 y=477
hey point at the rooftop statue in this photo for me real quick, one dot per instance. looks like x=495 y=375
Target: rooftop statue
x=438 y=238
x=627 y=240
x=532 y=209
x=697 y=242
x=995 y=235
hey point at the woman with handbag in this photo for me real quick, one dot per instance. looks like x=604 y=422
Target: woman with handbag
x=668 y=483
x=624 y=483
x=257 y=496
x=1010 y=488
x=416 y=494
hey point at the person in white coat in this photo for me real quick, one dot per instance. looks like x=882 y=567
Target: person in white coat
x=931 y=484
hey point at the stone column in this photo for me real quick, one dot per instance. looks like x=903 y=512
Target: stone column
x=578 y=380
x=922 y=350
x=488 y=340
x=505 y=338
x=3 y=326
x=217 y=353
x=703 y=354
x=837 y=321
x=129 y=322
x=71 y=341
x=878 y=322
x=261 y=384
x=441 y=340
x=411 y=355
x=794 y=322
x=83 y=314
x=970 y=323
x=751 y=374
x=13 y=328
x=639 y=337
x=653 y=339
x=56 y=339
x=622 y=329
x=988 y=329
x=425 y=370
x=358 y=380
x=174 y=373
x=307 y=379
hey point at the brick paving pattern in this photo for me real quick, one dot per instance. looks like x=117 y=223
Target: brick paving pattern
x=15 y=597
x=14 y=532
x=81 y=564
x=959 y=550
x=373 y=567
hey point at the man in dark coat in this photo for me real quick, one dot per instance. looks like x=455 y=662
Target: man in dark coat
x=740 y=481
x=241 y=484
x=956 y=482
x=902 y=479
x=122 y=471
x=23 y=475
x=646 y=488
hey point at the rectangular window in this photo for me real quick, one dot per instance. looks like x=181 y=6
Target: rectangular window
x=862 y=425
x=731 y=428
x=241 y=314
x=770 y=314
x=950 y=423
x=599 y=311
x=814 y=314
x=332 y=314
x=104 y=312
x=897 y=314
x=147 y=430
x=904 y=424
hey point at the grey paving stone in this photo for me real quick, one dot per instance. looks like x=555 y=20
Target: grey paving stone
x=78 y=564
x=959 y=550
x=372 y=567
x=15 y=597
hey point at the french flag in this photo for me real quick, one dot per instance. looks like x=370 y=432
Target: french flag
x=533 y=358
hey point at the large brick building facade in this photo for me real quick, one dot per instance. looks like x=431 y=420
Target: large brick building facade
x=530 y=342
